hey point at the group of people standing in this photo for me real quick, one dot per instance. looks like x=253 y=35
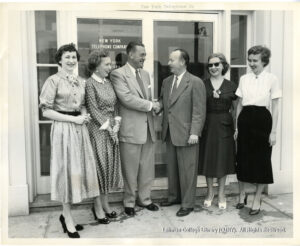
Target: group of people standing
x=102 y=136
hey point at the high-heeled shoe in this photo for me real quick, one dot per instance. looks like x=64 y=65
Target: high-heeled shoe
x=104 y=220
x=207 y=203
x=64 y=226
x=111 y=215
x=78 y=227
x=241 y=205
x=222 y=205
x=255 y=211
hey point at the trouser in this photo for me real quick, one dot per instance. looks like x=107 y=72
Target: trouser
x=182 y=166
x=138 y=171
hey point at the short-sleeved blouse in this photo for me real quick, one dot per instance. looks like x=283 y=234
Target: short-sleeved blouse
x=258 y=90
x=63 y=92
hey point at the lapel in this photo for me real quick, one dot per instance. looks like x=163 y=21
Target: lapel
x=144 y=78
x=132 y=80
x=168 y=88
x=184 y=83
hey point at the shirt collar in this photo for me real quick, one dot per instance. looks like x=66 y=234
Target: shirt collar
x=132 y=68
x=73 y=78
x=260 y=75
x=181 y=75
x=98 y=79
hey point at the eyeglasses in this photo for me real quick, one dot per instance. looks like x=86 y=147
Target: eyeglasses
x=216 y=64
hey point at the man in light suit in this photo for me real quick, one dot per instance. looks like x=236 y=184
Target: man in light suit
x=183 y=100
x=137 y=135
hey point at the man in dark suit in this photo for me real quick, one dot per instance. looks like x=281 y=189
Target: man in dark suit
x=183 y=100
x=137 y=136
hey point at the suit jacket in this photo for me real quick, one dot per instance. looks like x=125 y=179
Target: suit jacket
x=133 y=107
x=184 y=112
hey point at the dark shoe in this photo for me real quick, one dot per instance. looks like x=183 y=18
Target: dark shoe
x=242 y=205
x=168 y=204
x=254 y=211
x=64 y=226
x=111 y=215
x=129 y=211
x=104 y=220
x=78 y=227
x=151 y=207
x=184 y=211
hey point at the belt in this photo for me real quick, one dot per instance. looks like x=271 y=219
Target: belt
x=218 y=111
x=74 y=113
x=254 y=107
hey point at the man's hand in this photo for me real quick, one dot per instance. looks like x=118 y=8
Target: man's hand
x=156 y=107
x=193 y=139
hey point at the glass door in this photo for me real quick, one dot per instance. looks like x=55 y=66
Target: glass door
x=197 y=35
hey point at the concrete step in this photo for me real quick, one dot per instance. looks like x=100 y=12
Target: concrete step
x=44 y=203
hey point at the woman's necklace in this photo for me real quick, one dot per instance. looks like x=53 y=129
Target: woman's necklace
x=216 y=86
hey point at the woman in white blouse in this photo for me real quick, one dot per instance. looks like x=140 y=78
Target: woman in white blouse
x=258 y=92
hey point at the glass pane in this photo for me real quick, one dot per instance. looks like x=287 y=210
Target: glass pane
x=45 y=149
x=238 y=39
x=236 y=73
x=110 y=34
x=195 y=37
x=46 y=36
x=43 y=73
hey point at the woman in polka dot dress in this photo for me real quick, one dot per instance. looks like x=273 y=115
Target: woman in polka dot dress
x=101 y=103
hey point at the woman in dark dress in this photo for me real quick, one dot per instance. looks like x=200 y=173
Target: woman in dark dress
x=217 y=147
x=256 y=126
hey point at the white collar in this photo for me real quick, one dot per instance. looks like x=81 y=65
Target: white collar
x=260 y=75
x=180 y=76
x=133 y=69
x=98 y=79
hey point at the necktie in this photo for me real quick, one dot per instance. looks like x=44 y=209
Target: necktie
x=139 y=80
x=174 y=87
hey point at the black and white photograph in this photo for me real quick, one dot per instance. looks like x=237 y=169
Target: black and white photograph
x=155 y=122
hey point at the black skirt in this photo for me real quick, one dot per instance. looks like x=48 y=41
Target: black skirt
x=253 y=147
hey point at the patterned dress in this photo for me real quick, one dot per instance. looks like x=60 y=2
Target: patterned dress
x=217 y=146
x=101 y=102
x=73 y=165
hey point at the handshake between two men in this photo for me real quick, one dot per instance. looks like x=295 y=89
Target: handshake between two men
x=157 y=108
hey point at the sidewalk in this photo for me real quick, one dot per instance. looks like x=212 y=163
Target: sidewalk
x=274 y=221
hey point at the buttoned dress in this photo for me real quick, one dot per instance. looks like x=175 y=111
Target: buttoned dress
x=72 y=165
x=217 y=146
x=101 y=103
x=254 y=127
